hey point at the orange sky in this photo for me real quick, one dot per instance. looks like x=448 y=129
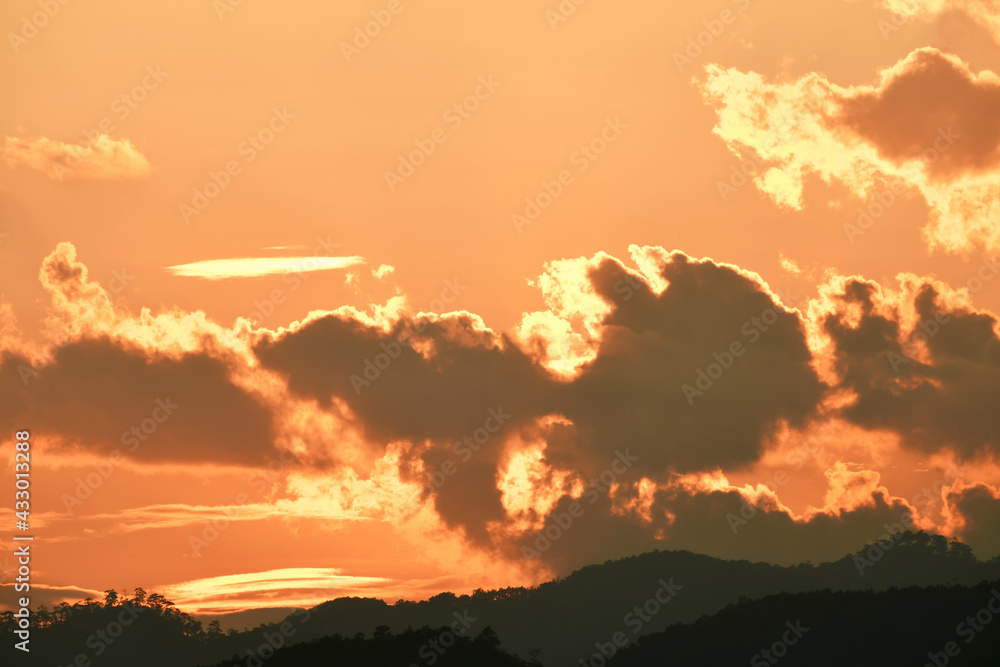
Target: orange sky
x=237 y=209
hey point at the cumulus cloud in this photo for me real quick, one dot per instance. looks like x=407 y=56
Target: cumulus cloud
x=102 y=396
x=103 y=158
x=635 y=393
x=641 y=389
x=928 y=126
x=105 y=390
x=978 y=505
x=919 y=362
x=918 y=103
x=693 y=377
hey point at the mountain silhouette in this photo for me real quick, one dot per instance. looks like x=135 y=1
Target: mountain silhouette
x=934 y=626
x=558 y=622
x=426 y=646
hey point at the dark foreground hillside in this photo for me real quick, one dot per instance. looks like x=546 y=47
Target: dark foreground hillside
x=937 y=626
x=427 y=646
x=645 y=594
x=560 y=622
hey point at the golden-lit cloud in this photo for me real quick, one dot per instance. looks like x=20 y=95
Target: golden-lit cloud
x=930 y=127
x=984 y=12
x=295 y=587
x=911 y=358
x=255 y=267
x=651 y=423
x=103 y=158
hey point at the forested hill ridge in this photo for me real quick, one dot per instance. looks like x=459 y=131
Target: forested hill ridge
x=558 y=622
x=563 y=618
x=955 y=626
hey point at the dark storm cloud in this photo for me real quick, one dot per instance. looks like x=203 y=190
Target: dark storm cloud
x=694 y=378
x=948 y=400
x=100 y=395
x=398 y=393
x=980 y=510
x=631 y=397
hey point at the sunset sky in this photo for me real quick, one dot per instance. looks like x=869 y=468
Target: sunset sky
x=302 y=300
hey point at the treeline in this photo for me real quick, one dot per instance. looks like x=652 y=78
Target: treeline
x=441 y=647
x=940 y=625
x=113 y=632
x=83 y=614
x=560 y=622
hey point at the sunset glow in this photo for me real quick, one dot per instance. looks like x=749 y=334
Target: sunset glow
x=295 y=308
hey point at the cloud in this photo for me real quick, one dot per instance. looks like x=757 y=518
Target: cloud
x=984 y=12
x=917 y=361
x=383 y=270
x=433 y=380
x=298 y=587
x=918 y=101
x=693 y=377
x=685 y=371
x=979 y=508
x=706 y=514
x=929 y=126
x=158 y=517
x=153 y=390
x=103 y=158
x=255 y=267
x=105 y=397
x=83 y=302
x=50 y=596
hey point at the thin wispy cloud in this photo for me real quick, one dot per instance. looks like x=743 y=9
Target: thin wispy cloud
x=304 y=587
x=255 y=267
